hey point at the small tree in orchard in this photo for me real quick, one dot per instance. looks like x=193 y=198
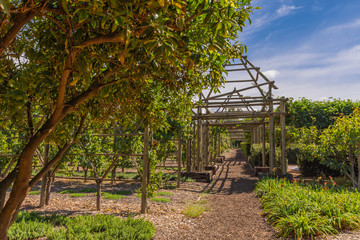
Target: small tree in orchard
x=343 y=136
x=59 y=58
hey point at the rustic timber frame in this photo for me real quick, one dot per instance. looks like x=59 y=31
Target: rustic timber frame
x=250 y=107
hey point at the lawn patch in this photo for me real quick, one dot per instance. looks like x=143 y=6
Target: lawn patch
x=163 y=194
x=34 y=192
x=159 y=199
x=75 y=195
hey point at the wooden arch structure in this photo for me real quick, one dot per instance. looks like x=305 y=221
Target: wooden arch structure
x=249 y=107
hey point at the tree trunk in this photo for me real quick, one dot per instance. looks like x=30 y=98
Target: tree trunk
x=12 y=162
x=45 y=178
x=113 y=175
x=43 y=190
x=85 y=173
x=48 y=189
x=98 y=195
x=5 y=185
x=352 y=162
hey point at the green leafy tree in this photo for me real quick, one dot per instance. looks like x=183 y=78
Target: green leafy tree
x=342 y=140
x=62 y=58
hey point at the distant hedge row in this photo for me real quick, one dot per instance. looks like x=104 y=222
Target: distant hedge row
x=322 y=114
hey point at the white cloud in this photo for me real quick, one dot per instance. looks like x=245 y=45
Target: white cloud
x=344 y=26
x=285 y=10
x=271 y=74
x=316 y=75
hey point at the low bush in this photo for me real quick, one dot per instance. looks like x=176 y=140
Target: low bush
x=305 y=211
x=311 y=165
x=32 y=225
x=255 y=157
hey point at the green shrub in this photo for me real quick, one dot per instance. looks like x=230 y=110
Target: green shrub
x=159 y=199
x=31 y=225
x=310 y=164
x=292 y=154
x=305 y=211
x=256 y=155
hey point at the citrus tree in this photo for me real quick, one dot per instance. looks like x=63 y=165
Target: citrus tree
x=343 y=137
x=60 y=58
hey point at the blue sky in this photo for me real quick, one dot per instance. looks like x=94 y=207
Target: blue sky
x=311 y=48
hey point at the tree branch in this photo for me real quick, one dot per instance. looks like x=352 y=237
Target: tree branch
x=58 y=155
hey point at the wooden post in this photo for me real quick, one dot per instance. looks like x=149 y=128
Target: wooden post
x=179 y=161
x=218 y=145
x=206 y=144
x=188 y=155
x=263 y=153
x=271 y=137
x=283 y=138
x=193 y=149
x=146 y=169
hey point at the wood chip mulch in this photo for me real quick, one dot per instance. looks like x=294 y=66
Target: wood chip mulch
x=234 y=210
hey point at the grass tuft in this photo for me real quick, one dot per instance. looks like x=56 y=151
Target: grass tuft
x=159 y=199
x=124 y=192
x=67 y=191
x=34 y=192
x=75 y=195
x=163 y=194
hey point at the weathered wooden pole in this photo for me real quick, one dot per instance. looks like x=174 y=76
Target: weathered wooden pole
x=179 y=160
x=283 y=138
x=206 y=144
x=146 y=169
x=193 y=149
x=263 y=141
x=188 y=155
x=271 y=135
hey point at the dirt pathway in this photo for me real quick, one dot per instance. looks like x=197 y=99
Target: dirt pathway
x=234 y=208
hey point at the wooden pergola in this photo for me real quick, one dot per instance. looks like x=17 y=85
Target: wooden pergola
x=249 y=107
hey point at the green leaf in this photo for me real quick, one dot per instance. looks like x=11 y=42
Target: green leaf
x=64 y=6
x=5 y=5
x=83 y=15
x=161 y=3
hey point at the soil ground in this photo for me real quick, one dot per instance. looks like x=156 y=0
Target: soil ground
x=234 y=211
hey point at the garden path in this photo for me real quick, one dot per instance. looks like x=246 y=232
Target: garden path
x=235 y=211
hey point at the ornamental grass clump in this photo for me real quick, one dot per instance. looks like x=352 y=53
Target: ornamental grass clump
x=300 y=210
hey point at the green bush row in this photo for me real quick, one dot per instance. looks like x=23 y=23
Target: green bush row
x=89 y=227
x=306 y=156
x=305 y=211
